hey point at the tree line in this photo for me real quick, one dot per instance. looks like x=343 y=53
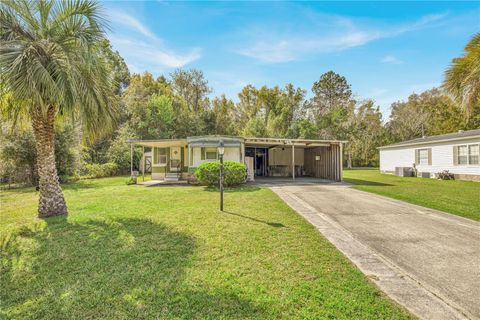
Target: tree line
x=68 y=101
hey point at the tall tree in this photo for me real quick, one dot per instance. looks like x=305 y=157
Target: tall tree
x=223 y=111
x=462 y=79
x=192 y=86
x=52 y=64
x=366 y=134
x=430 y=113
x=283 y=115
x=407 y=120
x=330 y=91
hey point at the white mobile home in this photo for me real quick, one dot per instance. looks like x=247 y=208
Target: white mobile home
x=458 y=153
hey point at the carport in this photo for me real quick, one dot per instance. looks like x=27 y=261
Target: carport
x=277 y=157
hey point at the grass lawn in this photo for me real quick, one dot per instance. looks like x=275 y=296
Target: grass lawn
x=461 y=198
x=131 y=252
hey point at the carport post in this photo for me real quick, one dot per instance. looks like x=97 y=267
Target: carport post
x=131 y=159
x=293 y=161
x=143 y=163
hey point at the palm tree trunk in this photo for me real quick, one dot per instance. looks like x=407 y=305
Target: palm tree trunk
x=51 y=201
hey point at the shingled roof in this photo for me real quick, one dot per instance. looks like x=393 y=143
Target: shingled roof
x=443 y=137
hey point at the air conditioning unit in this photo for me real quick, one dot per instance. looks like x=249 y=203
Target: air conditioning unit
x=404 y=171
x=425 y=174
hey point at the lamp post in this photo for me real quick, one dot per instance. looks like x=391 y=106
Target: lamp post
x=221 y=151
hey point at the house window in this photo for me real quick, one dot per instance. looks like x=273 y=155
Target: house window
x=210 y=153
x=462 y=155
x=161 y=156
x=473 y=153
x=423 y=156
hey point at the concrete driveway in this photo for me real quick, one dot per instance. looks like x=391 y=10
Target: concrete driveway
x=424 y=259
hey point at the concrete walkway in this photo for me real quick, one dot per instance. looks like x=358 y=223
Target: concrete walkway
x=424 y=259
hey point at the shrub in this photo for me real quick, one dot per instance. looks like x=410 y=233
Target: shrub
x=131 y=180
x=445 y=175
x=208 y=173
x=96 y=170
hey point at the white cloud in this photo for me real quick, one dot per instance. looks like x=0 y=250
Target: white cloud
x=391 y=59
x=152 y=56
x=142 y=49
x=276 y=46
x=131 y=22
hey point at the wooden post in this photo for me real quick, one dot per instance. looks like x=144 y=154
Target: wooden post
x=143 y=164
x=255 y=161
x=293 y=161
x=341 y=161
x=131 y=159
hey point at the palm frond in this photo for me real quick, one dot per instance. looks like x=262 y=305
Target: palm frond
x=50 y=55
x=462 y=78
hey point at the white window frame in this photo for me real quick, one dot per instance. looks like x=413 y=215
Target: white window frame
x=470 y=154
x=211 y=150
x=420 y=157
x=158 y=155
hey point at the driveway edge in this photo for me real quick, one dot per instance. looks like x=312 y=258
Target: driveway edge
x=390 y=278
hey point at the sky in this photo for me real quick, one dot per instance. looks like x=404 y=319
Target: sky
x=386 y=50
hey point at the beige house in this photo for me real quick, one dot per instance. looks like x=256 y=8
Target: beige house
x=176 y=159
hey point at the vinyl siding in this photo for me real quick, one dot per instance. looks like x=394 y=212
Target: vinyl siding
x=442 y=158
x=231 y=153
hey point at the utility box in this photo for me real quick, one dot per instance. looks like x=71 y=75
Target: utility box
x=404 y=171
x=425 y=175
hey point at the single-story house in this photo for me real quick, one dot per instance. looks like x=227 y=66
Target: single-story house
x=177 y=159
x=459 y=153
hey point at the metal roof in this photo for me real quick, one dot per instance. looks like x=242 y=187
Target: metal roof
x=212 y=140
x=460 y=135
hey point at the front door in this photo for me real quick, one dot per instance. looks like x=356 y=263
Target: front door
x=175 y=159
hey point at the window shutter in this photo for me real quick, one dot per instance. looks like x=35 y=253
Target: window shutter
x=455 y=155
x=202 y=152
x=417 y=156
x=429 y=156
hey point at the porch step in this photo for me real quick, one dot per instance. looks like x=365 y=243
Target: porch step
x=171 y=177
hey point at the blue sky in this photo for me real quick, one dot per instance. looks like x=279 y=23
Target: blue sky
x=386 y=50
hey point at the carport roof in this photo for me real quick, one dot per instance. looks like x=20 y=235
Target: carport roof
x=297 y=142
x=230 y=140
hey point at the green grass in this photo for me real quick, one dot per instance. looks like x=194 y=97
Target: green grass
x=131 y=252
x=457 y=197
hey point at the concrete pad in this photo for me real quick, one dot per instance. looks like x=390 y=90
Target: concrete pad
x=424 y=259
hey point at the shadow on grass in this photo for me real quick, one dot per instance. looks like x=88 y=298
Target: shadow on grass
x=272 y=224
x=125 y=268
x=360 y=182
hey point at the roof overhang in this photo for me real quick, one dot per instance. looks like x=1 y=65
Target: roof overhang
x=229 y=141
x=214 y=141
x=419 y=143
x=305 y=143
x=161 y=143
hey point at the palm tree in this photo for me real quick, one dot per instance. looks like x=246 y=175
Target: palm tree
x=462 y=79
x=51 y=65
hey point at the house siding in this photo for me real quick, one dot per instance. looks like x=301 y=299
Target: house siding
x=231 y=153
x=442 y=158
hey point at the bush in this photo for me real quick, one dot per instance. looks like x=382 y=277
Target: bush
x=445 y=175
x=208 y=173
x=130 y=181
x=96 y=170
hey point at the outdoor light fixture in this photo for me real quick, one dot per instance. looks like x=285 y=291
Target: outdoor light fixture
x=221 y=151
